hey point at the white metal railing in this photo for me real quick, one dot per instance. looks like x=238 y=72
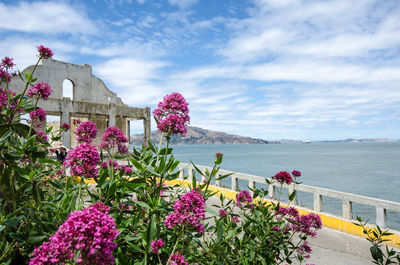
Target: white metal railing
x=347 y=199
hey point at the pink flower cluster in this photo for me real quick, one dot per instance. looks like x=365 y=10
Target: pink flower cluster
x=65 y=126
x=41 y=137
x=86 y=132
x=5 y=76
x=296 y=173
x=83 y=161
x=114 y=138
x=222 y=213
x=116 y=166
x=243 y=197
x=306 y=224
x=3 y=98
x=177 y=259
x=172 y=115
x=41 y=90
x=38 y=116
x=44 y=52
x=283 y=177
x=190 y=210
x=91 y=232
x=156 y=245
x=7 y=62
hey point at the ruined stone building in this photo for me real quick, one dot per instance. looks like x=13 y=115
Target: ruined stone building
x=91 y=100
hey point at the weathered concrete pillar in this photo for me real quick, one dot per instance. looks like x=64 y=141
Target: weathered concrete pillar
x=181 y=174
x=235 y=183
x=347 y=211
x=65 y=110
x=317 y=202
x=190 y=173
x=252 y=185
x=381 y=217
x=101 y=124
x=147 y=126
x=271 y=191
x=112 y=112
x=122 y=124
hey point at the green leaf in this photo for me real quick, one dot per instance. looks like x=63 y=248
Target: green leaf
x=220 y=231
x=194 y=182
x=136 y=164
x=224 y=176
x=36 y=239
x=292 y=195
x=166 y=151
x=2 y=227
x=13 y=221
x=376 y=253
x=142 y=204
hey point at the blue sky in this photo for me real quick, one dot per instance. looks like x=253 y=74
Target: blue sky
x=269 y=69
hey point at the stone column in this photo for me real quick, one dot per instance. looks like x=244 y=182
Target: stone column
x=65 y=109
x=112 y=113
x=147 y=126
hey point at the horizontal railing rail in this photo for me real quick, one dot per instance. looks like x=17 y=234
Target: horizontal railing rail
x=347 y=199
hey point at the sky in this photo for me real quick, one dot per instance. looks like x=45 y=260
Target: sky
x=269 y=69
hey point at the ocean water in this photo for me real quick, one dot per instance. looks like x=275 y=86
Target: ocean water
x=369 y=168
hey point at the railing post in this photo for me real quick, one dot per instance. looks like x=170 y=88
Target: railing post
x=190 y=173
x=218 y=181
x=381 y=217
x=235 y=184
x=317 y=202
x=182 y=173
x=291 y=190
x=252 y=185
x=271 y=191
x=347 y=211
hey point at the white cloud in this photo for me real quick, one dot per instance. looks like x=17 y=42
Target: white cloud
x=182 y=4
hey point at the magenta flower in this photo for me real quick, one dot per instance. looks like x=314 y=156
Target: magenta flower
x=114 y=140
x=38 y=116
x=65 y=126
x=83 y=161
x=243 y=197
x=177 y=259
x=7 y=62
x=86 y=132
x=222 y=213
x=5 y=76
x=283 y=177
x=44 y=52
x=172 y=115
x=235 y=219
x=40 y=90
x=3 y=98
x=189 y=210
x=156 y=245
x=218 y=155
x=89 y=232
x=41 y=137
x=296 y=173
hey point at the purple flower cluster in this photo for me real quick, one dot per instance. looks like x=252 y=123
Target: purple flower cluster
x=222 y=213
x=91 y=232
x=83 y=161
x=41 y=90
x=7 y=62
x=44 y=52
x=116 y=166
x=5 y=76
x=114 y=138
x=190 y=210
x=283 y=177
x=172 y=114
x=41 y=137
x=86 y=132
x=3 y=98
x=306 y=224
x=156 y=245
x=296 y=173
x=177 y=259
x=304 y=250
x=65 y=126
x=243 y=197
x=38 y=116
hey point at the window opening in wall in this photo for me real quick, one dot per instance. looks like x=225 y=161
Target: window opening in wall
x=136 y=131
x=68 y=89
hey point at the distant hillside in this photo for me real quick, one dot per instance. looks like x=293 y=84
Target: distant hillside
x=196 y=135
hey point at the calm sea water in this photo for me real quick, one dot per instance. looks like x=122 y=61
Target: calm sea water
x=370 y=169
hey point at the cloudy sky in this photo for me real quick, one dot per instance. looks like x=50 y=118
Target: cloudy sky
x=269 y=69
